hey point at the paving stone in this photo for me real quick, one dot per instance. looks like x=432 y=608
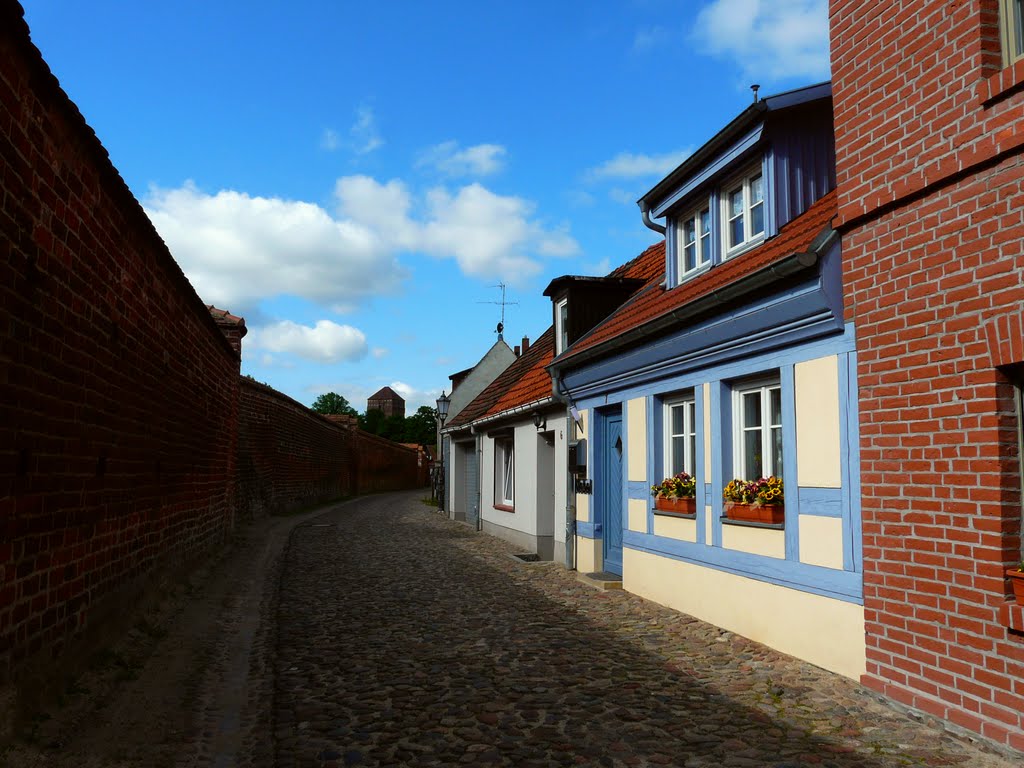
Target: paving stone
x=403 y=638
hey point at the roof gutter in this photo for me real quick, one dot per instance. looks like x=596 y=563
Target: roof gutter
x=474 y=426
x=645 y=213
x=790 y=265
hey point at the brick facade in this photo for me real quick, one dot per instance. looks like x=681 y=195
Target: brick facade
x=118 y=392
x=291 y=458
x=931 y=209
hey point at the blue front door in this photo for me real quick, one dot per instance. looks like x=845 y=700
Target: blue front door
x=609 y=490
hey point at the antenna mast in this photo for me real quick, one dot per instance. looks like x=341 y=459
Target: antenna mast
x=503 y=303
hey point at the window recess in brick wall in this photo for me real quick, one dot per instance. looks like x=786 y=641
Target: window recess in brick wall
x=1002 y=47
x=1011 y=30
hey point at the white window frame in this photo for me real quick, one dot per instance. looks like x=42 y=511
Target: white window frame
x=742 y=182
x=764 y=386
x=689 y=434
x=561 y=323
x=1011 y=30
x=504 y=472
x=703 y=242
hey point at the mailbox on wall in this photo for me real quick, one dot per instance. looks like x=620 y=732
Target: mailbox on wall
x=578 y=466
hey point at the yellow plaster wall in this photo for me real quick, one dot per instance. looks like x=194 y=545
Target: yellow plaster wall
x=675 y=528
x=589 y=557
x=636 y=426
x=823 y=631
x=821 y=541
x=709 y=525
x=582 y=499
x=817 y=423
x=758 y=541
x=638 y=515
x=707 y=437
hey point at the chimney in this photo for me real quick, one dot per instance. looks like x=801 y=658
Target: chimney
x=526 y=344
x=515 y=350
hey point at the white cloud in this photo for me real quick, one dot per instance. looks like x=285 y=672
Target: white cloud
x=648 y=38
x=488 y=235
x=769 y=39
x=478 y=160
x=623 y=196
x=329 y=140
x=365 y=136
x=627 y=165
x=379 y=353
x=324 y=342
x=237 y=249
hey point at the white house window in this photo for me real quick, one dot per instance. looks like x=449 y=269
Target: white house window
x=681 y=436
x=757 y=419
x=743 y=213
x=1011 y=28
x=561 y=326
x=694 y=241
x=504 y=472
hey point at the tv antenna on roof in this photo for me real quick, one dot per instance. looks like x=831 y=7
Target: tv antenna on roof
x=503 y=303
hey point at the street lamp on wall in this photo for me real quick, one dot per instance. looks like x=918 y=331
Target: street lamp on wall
x=443 y=403
x=539 y=421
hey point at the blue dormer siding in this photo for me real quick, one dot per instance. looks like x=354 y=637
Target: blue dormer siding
x=802 y=150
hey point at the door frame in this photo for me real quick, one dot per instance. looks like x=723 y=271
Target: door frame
x=609 y=502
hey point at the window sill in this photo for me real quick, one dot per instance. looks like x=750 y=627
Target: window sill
x=684 y=515
x=504 y=508
x=1003 y=83
x=745 y=524
x=701 y=270
x=739 y=250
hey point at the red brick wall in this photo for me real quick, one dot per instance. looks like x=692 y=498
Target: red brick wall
x=932 y=216
x=290 y=457
x=118 y=393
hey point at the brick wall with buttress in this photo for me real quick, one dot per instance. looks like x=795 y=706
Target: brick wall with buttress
x=931 y=191
x=118 y=393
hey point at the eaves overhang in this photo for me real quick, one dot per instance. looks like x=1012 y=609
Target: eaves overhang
x=511 y=414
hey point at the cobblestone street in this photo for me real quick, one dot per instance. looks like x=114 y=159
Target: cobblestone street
x=378 y=633
x=406 y=639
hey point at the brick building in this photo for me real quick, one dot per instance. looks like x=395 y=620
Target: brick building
x=386 y=400
x=928 y=104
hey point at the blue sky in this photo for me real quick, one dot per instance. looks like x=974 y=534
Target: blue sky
x=355 y=179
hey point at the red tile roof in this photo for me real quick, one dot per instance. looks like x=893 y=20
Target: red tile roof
x=653 y=301
x=525 y=381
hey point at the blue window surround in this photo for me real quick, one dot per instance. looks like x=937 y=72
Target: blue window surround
x=844 y=585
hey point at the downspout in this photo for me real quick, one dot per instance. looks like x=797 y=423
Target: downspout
x=645 y=213
x=570 y=486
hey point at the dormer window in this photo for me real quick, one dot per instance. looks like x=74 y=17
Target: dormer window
x=695 y=240
x=561 y=326
x=723 y=222
x=744 y=212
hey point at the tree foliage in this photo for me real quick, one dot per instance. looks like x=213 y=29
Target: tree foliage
x=331 y=403
x=420 y=428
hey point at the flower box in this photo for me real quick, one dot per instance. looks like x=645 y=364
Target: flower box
x=774 y=514
x=1016 y=578
x=684 y=506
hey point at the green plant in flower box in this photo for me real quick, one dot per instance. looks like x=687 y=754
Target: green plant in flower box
x=681 y=486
